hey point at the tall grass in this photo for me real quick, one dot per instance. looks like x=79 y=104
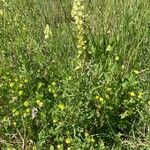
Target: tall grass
x=83 y=85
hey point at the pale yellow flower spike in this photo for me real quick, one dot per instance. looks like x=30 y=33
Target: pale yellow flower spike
x=78 y=14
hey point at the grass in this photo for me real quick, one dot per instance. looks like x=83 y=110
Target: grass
x=76 y=81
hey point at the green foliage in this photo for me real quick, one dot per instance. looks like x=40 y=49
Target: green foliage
x=49 y=100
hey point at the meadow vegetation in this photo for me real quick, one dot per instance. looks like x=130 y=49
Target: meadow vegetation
x=74 y=75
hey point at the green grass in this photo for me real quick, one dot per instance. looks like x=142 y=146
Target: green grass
x=51 y=99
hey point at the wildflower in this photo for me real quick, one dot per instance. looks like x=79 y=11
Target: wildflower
x=11 y=84
x=101 y=99
x=53 y=83
x=55 y=95
x=27 y=110
x=1 y=12
x=26 y=80
x=47 y=32
x=140 y=94
x=16 y=113
x=116 y=58
x=136 y=71
x=108 y=89
x=20 y=85
x=61 y=106
x=54 y=121
x=26 y=103
x=68 y=140
x=16 y=80
x=39 y=103
x=78 y=14
x=107 y=96
x=110 y=107
x=97 y=97
x=109 y=48
x=132 y=94
x=21 y=93
x=14 y=123
x=92 y=140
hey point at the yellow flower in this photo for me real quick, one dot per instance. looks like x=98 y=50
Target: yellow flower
x=68 y=140
x=92 y=140
x=28 y=110
x=132 y=94
x=61 y=106
x=39 y=103
x=136 y=71
x=20 y=85
x=26 y=103
x=11 y=84
x=101 y=99
x=26 y=80
x=149 y=102
x=97 y=97
x=47 y=32
x=110 y=107
x=1 y=12
x=116 y=58
x=16 y=113
x=53 y=83
x=107 y=96
x=140 y=94
x=21 y=93
x=108 y=89
x=55 y=95
x=109 y=48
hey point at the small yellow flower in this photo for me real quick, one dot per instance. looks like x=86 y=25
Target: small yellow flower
x=26 y=103
x=107 y=96
x=26 y=80
x=140 y=94
x=54 y=121
x=68 y=140
x=132 y=94
x=136 y=71
x=55 y=95
x=53 y=83
x=20 y=85
x=14 y=123
x=92 y=140
x=149 y=102
x=41 y=104
x=16 y=113
x=116 y=58
x=13 y=110
x=1 y=12
x=109 y=48
x=101 y=99
x=97 y=97
x=53 y=91
x=16 y=80
x=11 y=84
x=110 y=107
x=28 y=110
x=108 y=89
x=47 y=32
x=61 y=106
x=21 y=93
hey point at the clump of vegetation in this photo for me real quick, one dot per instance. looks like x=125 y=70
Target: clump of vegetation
x=71 y=81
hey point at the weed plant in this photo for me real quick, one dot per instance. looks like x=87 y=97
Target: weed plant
x=75 y=75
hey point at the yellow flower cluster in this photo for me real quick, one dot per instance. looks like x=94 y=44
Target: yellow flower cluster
x=47 y=32
x=79 y=22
